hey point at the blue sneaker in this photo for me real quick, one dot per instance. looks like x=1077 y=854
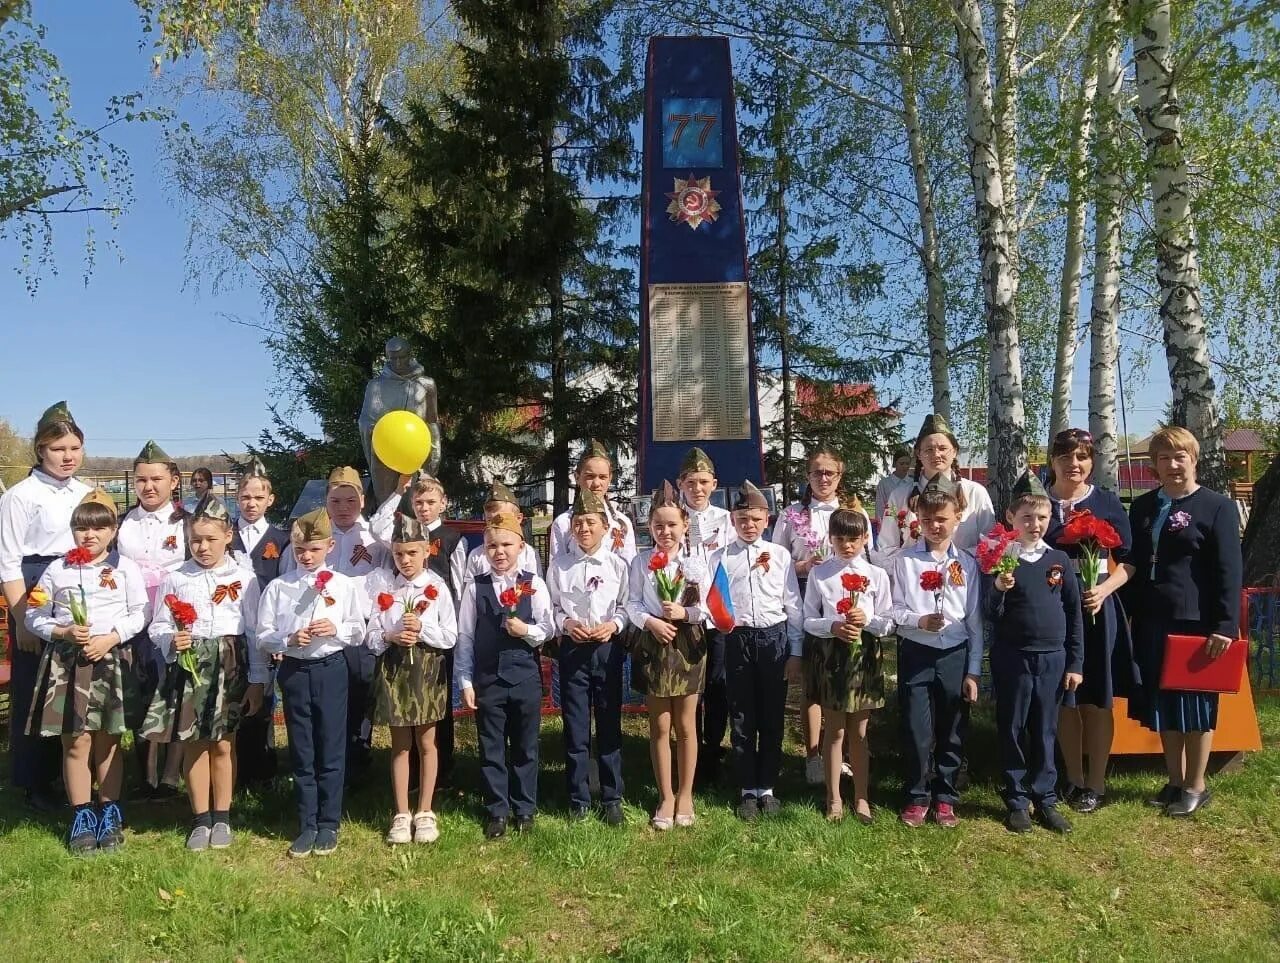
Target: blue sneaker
x=82 y=838
x=110 y=828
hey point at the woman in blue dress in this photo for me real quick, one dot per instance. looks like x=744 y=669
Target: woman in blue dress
x=1185 y=572
x=1085 y=727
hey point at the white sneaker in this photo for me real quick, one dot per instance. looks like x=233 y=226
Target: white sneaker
x=400 y=831
x=424 y=828
x=846 y=770
x=813 y=771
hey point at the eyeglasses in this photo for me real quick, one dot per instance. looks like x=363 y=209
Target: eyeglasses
x=823 y=473
x=935 y=450
x=1073 y=435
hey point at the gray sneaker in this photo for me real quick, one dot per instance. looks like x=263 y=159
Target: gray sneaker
x=198 y=840
x=220 y=838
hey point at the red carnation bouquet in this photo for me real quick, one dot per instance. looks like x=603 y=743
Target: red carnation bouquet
x=510 y=598
x=1094 y=535
x=79 y=557
x=931 y=581
x=855 y=584
x=184 y=616
x=669 y=588
x=998 y=551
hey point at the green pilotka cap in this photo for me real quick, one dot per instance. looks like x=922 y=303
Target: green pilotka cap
x=587 y=502
x=499 y=492
x=55 y=413
x=1029 y=484
x=152 y=454
x=314 y=526
x=942 y=483
x=695 y=459
x=933 y=424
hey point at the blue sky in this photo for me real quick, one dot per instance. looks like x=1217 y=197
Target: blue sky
x=140 y=353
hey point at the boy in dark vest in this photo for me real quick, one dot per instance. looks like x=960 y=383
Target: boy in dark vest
x=1037 y=653
x=259 y=546
x=504 y=618
x=425 y=497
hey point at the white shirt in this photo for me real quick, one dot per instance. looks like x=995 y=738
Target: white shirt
x=590 y=588
x=237 y=616
x=115 y=599
x=540 y=629
x=884 y=488
x=291 y=602
x=764 y=589
x=710 y=529
x=35 y=519
x=824 y=592
x=961 y=610
x=439 y=620
x=251 y=533
x=643 y=602
x=619 y=536
x=975 y=521
x=155 y=543
x=478 y=563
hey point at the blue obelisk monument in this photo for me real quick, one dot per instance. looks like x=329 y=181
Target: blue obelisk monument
x=697 y=355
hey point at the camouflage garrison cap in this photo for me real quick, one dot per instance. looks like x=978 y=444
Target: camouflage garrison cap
x=588 y=502
x=211 y=506
x=255 y=469
x=499 y=492
x=408 y=528
x=942 y=483
x=54 y=414
x=695 y=459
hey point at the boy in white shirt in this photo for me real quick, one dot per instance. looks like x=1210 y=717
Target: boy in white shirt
x=502 y=501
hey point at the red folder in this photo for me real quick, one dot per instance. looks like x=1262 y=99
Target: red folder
x=1188 y=667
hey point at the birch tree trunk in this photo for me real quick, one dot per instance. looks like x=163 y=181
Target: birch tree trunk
x=1006 y=421
x=1104 y=314
x=1005 y=110
x=1073 y=256
x=930 y=258
x=1186 y=344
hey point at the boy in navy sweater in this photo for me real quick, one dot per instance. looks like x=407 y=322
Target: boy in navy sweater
x=1037 y=652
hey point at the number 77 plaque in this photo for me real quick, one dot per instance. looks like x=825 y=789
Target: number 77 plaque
x=697 y=371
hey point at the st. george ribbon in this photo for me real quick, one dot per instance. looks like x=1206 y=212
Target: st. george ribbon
x=697 y=355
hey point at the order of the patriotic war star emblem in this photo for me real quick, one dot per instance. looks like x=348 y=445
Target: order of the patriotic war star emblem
x=693 y=201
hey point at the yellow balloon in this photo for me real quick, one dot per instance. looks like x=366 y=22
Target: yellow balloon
x=402 y=441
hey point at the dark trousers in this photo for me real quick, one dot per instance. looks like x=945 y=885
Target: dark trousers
x=509 y=716
x=34 y=760
x=315 y=716
x=255 y=755
x=713 y=709
x=934 y=718
x=1028 y=691
x=444 y=728
x=591 y=684
x=360 y=665
x=755 y=666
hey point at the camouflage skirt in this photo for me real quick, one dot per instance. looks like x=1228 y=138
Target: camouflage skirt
x=677 y=669
x=410 y=687
x=207 y=707
x=74 y=695
x=845 y=678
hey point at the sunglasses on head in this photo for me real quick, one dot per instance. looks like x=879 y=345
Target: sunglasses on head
x=1073 y=435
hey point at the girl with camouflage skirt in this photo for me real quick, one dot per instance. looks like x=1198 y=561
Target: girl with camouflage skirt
x=205 y=630
x=665 y=605
x=84 y=607
x=412 y=624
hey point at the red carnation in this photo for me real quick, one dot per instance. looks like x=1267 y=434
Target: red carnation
x=323 y=579
x=931 y=581
x=510 y=598
x=385 y=601
x=184 y=613
x=658 y=561
x=79 y=556
x=853 y=582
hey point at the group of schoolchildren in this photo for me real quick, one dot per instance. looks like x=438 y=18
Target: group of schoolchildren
x=177 y=625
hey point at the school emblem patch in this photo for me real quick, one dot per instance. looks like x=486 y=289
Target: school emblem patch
x=693 y=201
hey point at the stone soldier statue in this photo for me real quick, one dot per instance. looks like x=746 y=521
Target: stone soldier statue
x=402 y=385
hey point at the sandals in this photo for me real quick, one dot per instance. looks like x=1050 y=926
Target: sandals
x=661 y=823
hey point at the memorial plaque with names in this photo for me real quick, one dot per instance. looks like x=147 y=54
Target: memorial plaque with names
x=700 y=361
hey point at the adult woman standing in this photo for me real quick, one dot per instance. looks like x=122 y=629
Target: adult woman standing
x=1085 y=726
x=201 y=485
x=35 y=528
x=936 y=451
x=1185 y=567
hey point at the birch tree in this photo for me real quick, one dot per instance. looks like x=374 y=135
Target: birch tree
x=1006 y=420
x=1104 y=313
x=1186 y=343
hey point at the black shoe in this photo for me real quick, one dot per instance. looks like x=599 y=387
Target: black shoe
x=749 y=809
x=1070 y=792
x=523 y=824
x=82 y=837
x=161 y=793
x=495 y=828
x=1018 y=821
x=42 y=801
x=110 y=828
x=326 y=842
x=1165 y=797
x=303 y=846
x=578 y=813
x=1052 y=820
x=613 y=815
x=770 y=804
x=1187 y=803
x=1087 y=801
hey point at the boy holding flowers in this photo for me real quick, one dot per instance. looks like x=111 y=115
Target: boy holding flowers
x=1037 y=652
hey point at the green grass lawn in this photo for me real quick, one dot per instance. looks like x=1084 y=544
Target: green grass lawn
x=1127 y=884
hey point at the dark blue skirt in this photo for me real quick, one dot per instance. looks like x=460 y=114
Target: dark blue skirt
x=1164 y=710
x=1109 y=668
